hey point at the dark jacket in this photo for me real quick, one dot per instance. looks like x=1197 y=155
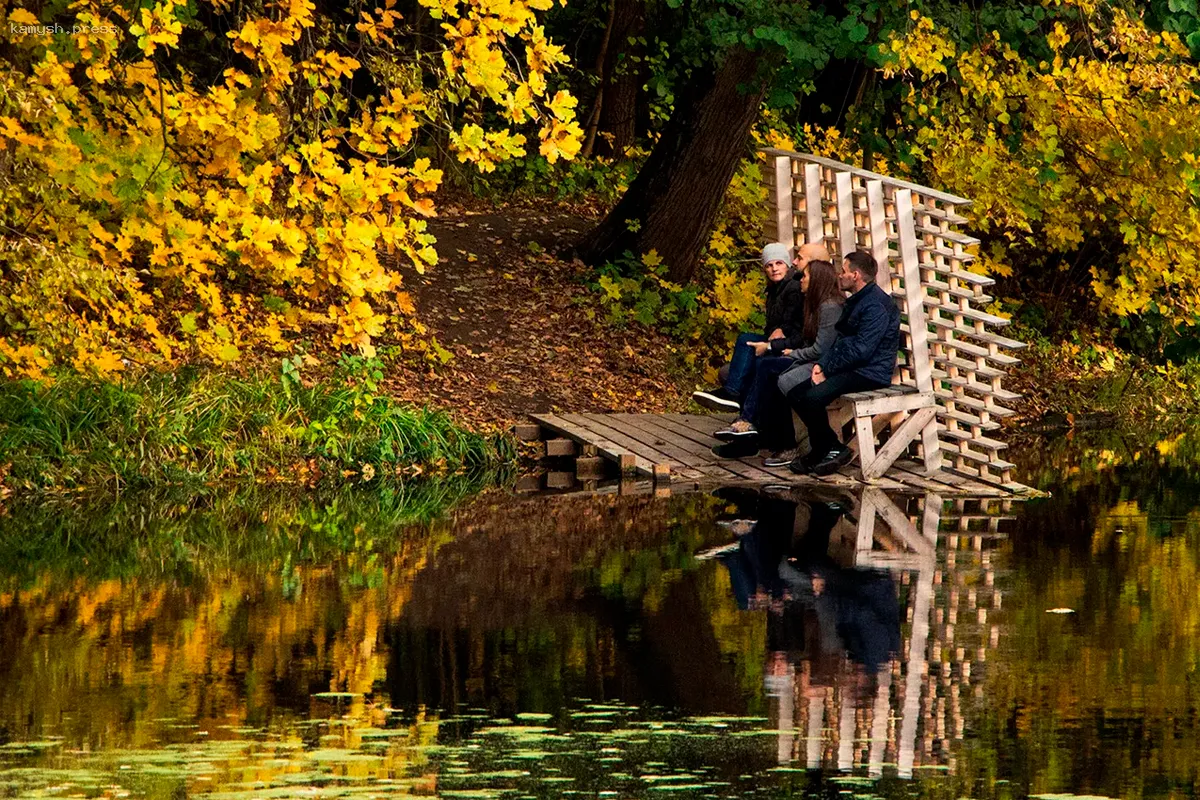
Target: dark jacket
x=868 y=337
x=785 y=310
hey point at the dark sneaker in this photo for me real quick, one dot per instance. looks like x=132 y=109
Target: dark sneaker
x=742 y=448
x=804 y=464
x=834 y=460
x=736 y=431
x=781 y=458
x=717 y=400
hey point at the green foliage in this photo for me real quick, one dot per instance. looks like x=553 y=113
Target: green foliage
x=637 y=290
x=194 y=426
x=591 y=180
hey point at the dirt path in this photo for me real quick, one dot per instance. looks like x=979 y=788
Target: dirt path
x=521 y=325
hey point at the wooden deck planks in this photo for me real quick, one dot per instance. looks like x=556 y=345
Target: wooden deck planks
x=684 y=442
x=650 y=454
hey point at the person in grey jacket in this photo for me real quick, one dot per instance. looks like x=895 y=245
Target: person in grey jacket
x=822 y=308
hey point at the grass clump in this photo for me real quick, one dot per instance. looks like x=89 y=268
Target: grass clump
x=200 y=426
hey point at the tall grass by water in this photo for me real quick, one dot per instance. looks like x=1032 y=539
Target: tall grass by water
x=200 y=426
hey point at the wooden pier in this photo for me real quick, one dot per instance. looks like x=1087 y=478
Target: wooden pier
x=674 y=451
x=935 y=424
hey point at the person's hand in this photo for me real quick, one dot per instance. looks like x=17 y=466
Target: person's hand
x=818 y=377
x=787 y=351
x=776 y=334
x=760 y=348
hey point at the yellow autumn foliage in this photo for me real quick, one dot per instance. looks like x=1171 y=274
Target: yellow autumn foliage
x=1086 y=136
x=155 y=209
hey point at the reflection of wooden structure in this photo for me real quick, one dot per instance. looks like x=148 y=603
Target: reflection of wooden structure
x=917 y=706
x=675 y=450
x=914 y=229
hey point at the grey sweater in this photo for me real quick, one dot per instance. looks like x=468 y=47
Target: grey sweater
x=827 y=317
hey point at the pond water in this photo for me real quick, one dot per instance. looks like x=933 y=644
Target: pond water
x=433 y=642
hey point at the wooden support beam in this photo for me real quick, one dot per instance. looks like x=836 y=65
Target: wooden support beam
x=626 y=461
x=589 y=467
x=559 y=480
x=785 y=204
x=896 y=445
x=528 y=432
x=813 y=213
x=528 y=483
x=560 y=447
x=879 y=237
x=844 y=182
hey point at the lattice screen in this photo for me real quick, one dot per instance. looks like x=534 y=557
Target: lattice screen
x=915 y=229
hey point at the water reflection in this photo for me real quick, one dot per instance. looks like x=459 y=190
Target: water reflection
x=740 y=644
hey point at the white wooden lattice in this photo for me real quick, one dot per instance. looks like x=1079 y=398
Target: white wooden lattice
x=953 y=346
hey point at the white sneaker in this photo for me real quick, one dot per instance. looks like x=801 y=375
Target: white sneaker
x=713 y=552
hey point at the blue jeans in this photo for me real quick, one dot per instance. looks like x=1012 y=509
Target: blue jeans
x=742 y=364
x=766 y=373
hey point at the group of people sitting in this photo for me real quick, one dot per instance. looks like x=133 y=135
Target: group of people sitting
x=830 y=331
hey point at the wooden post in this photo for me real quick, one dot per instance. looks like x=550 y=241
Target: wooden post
x=879 y=237
x=918 y=328
x=844 y=183
x=785 y=204
x=814 y=214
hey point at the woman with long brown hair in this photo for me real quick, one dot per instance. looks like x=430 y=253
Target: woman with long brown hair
x=822 y=307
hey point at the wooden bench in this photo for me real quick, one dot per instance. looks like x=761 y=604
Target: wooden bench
x=907 y=412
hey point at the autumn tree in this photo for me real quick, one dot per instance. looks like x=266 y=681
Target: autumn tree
x=731 y=57
x=1077 y=141
x=195 y=180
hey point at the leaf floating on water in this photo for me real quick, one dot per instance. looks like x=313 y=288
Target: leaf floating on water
x=336 y=695
x=1061 y=611
x=515 y=730
x=530 y=716
x=338 y=756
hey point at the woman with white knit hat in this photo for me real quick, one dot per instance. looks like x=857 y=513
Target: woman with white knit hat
x=785 y=318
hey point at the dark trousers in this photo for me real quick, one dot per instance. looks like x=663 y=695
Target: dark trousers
x=742 y=364
x=766 y=375
x=811 y=401
x=774 y=422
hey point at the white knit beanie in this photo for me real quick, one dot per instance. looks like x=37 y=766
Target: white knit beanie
x=776 y=251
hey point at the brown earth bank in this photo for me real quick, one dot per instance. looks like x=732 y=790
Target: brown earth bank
x=523 y=327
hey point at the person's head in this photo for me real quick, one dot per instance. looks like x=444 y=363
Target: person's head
x=809 y=252
x=775 y=259
x=858 y=269
x=819 y=282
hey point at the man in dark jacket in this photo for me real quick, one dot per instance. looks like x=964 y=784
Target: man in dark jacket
x=862 y=358
x=784 y=322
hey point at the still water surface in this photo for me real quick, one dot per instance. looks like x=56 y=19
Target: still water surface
x=430 y=643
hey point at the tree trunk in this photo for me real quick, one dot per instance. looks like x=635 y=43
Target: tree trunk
x=602 y=73
x=671 y=204
x=622 y=78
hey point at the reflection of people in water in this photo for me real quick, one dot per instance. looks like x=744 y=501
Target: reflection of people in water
x=819 y=613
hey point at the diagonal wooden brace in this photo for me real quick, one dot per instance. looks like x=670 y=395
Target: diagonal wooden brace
x=901 y=438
